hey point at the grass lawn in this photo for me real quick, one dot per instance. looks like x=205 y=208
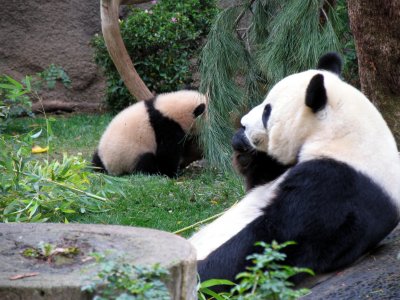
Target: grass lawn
x=148 y=201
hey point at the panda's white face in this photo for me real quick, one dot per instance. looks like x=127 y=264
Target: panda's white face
x=254 y=128
x=282 y=123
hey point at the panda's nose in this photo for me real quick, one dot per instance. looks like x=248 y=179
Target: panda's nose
x=240 y=142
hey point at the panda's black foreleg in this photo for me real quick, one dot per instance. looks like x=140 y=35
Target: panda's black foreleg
x=169 y=163
x=257 y=167
x=147 y=164
x=192 y=151
x=152 y=164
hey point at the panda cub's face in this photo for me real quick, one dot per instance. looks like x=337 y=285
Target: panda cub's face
x=291 y=113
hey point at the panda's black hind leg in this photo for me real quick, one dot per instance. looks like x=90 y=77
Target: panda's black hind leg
x=97 y=163
x=147 y=164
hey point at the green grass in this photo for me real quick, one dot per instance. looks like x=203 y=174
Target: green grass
x=71 y=134
x=170 y=204
x=147 y=201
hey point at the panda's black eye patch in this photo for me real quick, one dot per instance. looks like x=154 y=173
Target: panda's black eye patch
x=266 y=114
x=199 y=110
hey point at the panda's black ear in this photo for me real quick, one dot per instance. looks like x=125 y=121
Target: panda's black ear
x=330 y=62
x=199 y=110
x=316 y=98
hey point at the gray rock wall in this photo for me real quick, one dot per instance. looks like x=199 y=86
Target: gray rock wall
x=36 y=33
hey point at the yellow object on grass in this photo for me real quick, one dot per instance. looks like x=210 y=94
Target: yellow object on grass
x=38 y=149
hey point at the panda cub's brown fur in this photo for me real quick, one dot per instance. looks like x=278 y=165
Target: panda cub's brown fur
x=156 y=136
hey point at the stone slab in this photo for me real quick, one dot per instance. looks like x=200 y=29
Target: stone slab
x=140 y=246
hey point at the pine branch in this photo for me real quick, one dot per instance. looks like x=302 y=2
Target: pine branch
x=239 y=65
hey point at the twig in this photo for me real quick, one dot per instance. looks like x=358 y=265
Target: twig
x=198 y=223
x=240 y=16
x=202 y=221
x=20 y=276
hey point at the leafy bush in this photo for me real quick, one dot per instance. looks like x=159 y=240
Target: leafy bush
x=14 y=99
x=15 y=96
x=38 y=191
x=265 y=279
x=119 y=280
x=50 y=76
x=161 y=42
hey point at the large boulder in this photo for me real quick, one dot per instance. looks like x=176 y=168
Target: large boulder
x=36 y=33
x=376 y=276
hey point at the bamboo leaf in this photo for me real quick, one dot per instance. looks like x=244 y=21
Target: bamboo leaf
x=14 y=82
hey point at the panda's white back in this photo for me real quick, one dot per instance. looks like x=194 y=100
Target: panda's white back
x=128 y=135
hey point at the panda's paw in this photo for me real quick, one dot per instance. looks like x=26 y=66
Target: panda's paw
x=243 y=154
x=240 y=143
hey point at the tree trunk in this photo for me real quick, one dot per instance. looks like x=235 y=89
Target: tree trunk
x=376 y=29
x=116 y=48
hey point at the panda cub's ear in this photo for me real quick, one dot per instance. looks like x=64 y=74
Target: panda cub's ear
x=199 y=110
x=330 y=62
x=316 y=97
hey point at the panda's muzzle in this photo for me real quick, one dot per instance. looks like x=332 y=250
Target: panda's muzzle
x=240 y=142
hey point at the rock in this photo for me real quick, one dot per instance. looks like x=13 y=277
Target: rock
x=35 y=34
x=376 y=276
x=63 y=281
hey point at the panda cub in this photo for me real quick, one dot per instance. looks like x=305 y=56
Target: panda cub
x=156 y=136
x=322 y=169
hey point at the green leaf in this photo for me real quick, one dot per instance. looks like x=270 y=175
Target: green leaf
x=37 y=134
x=7 y=86
x=14 y=82
x=214 y=282
x=209 y=292
x=28 y=83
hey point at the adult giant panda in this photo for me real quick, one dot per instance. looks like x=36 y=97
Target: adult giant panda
x=322 y=170
x=156 y=136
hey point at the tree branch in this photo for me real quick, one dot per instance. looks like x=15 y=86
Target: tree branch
x=117 y=50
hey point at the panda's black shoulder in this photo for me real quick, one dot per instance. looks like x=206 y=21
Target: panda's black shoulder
x=169 y=134
x=324 y=175
x=159 y=121
x=325 y=187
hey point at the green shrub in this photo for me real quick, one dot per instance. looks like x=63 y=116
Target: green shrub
x=14 y=99
x=161 y=42
x=119 y=280
x=15 y=96
x=33 y=190
x=49 y=77
x=266 y=278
